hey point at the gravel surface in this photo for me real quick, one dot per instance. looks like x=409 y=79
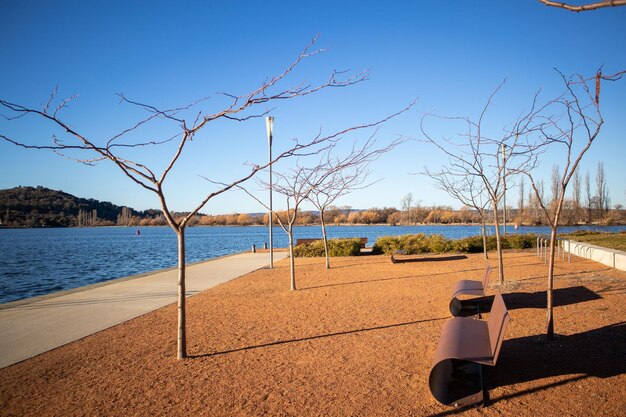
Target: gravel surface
x=356 y=340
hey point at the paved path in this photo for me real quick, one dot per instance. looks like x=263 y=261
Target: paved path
x=28 y=329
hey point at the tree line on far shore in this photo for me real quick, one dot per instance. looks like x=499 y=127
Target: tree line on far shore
x=42 y=207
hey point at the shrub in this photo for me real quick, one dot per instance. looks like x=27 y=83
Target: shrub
x=472 y=244
x=438 y=244
x=412 y=244
x=386 y=244
x=343 y=247
x=336 y=247
x=522 y=241
x=420 y=243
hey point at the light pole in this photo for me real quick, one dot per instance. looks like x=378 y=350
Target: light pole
x=269 y=124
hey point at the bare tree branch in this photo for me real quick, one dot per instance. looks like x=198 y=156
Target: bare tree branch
x=335 y=177
x=584 y=7
x=476 y=159
x=239 y=108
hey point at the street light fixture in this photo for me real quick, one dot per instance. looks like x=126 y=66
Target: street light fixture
x=269 y=124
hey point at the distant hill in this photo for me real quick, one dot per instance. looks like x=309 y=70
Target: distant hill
x=43 y=207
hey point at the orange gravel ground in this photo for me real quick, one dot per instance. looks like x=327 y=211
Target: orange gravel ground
x=357 y=340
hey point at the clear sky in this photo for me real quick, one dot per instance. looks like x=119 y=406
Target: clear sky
x=450 y=55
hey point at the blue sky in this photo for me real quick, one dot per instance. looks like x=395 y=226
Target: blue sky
x=450 y=56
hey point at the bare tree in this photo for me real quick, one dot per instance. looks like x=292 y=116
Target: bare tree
x=117 y=148
x=459 y=183
x=589 y=197
x=555 y=182
x=479 y=155
x=520 y=200
x=576 y=191
x=340 y=176
x=584 y=7
x=571 y=122
x=294 y=186
x=602 y=192
x=297 y=184
x=406 y=205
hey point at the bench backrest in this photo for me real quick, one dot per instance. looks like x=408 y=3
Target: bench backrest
x=486 y=277
x=497 y=323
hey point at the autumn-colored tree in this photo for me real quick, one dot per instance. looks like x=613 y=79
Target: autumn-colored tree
x=354 y=217
x=394 y=218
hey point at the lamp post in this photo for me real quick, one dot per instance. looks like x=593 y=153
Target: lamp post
x=269 y=124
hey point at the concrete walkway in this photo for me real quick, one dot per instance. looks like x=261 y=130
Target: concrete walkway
x=30 y=328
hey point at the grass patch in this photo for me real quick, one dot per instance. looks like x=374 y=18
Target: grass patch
x=615 y=241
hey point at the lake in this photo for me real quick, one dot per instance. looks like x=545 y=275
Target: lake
x=41 y=261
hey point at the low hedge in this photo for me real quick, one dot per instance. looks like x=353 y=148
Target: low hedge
x=413 y=244
x=336 y=247
x=420 y=243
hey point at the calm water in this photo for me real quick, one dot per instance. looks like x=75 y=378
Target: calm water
x=41 y=261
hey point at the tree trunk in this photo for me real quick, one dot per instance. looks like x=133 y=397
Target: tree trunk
x=182 y=328
x=291 y=259
x=484 y=233
x=325 y=239
x=498 y=244
x=549 y=308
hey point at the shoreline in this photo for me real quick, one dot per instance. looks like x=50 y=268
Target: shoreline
x=61 y=293
x=34 y=268
x=38 y=326
x=508 y=224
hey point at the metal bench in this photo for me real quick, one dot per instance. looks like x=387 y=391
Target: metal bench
x=468 y=287
x=394 y=254
x=465 y=345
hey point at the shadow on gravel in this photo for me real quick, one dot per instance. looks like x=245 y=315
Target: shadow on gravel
x=538 y=299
